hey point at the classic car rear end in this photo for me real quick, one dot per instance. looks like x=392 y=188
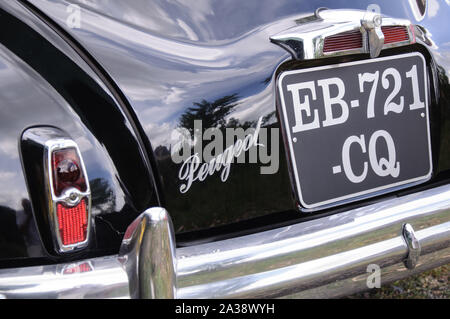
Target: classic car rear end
x=221 y=149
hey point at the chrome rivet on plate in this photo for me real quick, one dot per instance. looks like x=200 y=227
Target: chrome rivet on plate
x=413 y=246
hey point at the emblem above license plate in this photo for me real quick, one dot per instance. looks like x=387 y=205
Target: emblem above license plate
x=356 y=129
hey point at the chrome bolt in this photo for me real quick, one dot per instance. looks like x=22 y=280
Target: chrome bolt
x=377 y=20
x=73 y=196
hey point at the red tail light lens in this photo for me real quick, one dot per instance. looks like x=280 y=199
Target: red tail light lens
x=72 y=223
x=343 y=41
x=354 y=39
x=394 y=34
x=70 y=195
x=66 y=171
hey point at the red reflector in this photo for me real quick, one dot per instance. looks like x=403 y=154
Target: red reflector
x=343 y=41
x=72 y=223
x=394 y=34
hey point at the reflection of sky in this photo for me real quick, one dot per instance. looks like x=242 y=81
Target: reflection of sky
x=166 y=55
x=218 y=20
x=22 y=91
x=13 y=83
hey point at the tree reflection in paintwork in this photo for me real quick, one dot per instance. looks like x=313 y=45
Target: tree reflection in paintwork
x=212 y=114
x=102 y=196
x=206 y=214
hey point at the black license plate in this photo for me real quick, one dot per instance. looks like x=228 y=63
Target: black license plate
x=356 y=130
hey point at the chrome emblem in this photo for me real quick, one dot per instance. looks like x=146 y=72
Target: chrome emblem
x=308 y=39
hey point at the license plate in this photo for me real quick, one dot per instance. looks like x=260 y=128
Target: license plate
x=356 y=130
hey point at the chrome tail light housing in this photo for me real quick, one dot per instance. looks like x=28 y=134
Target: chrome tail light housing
x=59 y=186
x=70 y=196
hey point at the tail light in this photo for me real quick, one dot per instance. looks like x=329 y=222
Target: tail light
x=70 y=195
x=343 y=41
x=393 y=34
x=353 y=40
x=67 y=171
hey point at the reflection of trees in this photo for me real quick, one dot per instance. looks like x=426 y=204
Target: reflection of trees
x=444 y=86
x=161 y=152
x=102 y=195
x=268 y=118
x=212 y=114
x=443 y=75
x=233 y=123
x=204 y=212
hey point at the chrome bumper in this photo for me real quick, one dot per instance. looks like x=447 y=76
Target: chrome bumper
x=326 y=257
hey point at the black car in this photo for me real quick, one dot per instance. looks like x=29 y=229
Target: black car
x=222 y=149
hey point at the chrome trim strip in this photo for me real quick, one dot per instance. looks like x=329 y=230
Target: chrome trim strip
x=317 y=253
x=107 y=279
x=326 y=257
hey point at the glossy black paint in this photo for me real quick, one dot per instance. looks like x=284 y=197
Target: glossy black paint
x=45 y=83
x=169 y=57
